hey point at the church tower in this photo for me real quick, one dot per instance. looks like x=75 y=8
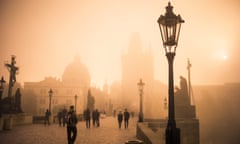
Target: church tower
x=137 y=64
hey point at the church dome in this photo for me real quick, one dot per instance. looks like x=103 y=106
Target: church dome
x=76 y=73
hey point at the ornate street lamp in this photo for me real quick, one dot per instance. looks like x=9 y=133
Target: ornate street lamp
x=76 y=103
x=170 y=25
x=140 y=88
x=2 y=81
x=50 y=92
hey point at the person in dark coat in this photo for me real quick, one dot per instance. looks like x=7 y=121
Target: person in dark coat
x=126 y=118
x=97 y=118
x=120 y=118
x=94 y=117
x=60 y=118
x=71 y=125
x=87 y=118
x=64 y=116
x=47 y=117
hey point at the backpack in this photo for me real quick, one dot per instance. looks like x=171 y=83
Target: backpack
x=71 y=119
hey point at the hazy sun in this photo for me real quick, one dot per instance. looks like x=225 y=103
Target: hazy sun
x=224 y=57
x=221 y=48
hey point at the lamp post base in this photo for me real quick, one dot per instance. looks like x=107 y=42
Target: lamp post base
x=173 y=135
x=140 y=117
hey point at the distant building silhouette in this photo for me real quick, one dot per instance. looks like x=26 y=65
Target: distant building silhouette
x=137 y=63
x=75 y=81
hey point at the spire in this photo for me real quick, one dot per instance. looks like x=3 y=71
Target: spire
x=135 y=45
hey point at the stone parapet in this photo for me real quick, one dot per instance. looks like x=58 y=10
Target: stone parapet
x=18 y=119
x=153 y=132
x=145 y=134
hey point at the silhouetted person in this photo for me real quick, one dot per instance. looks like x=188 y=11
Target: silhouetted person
x=114 y=113
x=60 y=118
x=97 y=118
x=94 y=117
x=120 y=119
x=126 y=118
x=87 y=118
x=64 y=116
x=47 y=116
x=71 y=125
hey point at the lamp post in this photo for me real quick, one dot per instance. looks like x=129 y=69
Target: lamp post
x=2 y=81
x=50 y=92
x=140 y=87
x=170 y=25
x=76 y=103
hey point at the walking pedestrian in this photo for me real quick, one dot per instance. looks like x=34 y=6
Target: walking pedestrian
x=97 y=118
x=64 y=116
x=94 y=117
x=60 y=118
x=126 y=118
x=87 y=118
x=47 y=116
x=114 y=113
x=71 y=125
x=120 y=118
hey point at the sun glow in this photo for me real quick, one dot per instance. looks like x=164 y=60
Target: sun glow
x=221 y=48
x=222 y=55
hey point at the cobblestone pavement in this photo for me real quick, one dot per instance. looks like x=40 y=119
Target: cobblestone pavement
x=107 y=133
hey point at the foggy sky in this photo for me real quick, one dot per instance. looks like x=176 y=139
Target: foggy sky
x=47 y=35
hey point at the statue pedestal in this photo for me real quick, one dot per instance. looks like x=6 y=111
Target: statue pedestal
x=8 y=123
x=10 y=120
x=21 y=119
